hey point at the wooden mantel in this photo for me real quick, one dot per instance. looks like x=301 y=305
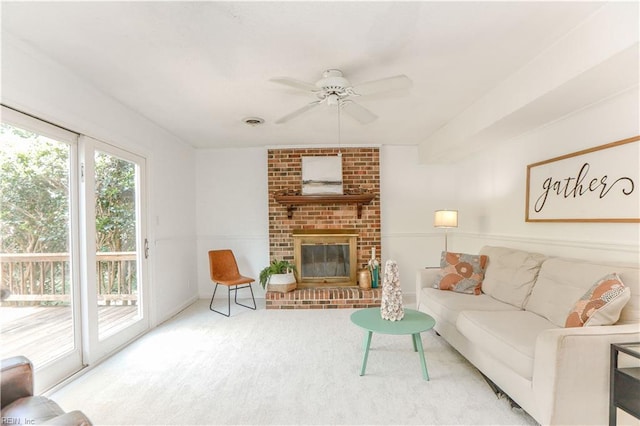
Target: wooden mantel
x=290 y=201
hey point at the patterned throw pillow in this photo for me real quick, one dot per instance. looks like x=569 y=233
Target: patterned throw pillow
x=462 y=273
x=601 y=304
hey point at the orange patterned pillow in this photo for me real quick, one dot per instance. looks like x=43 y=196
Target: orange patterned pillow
x=601 y=304
x=462 y=273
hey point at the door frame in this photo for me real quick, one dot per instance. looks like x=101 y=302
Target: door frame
x=95 y=349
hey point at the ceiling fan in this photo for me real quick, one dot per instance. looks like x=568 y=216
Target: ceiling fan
x=334 y=89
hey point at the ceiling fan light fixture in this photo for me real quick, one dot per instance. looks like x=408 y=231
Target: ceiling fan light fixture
x=333 y=99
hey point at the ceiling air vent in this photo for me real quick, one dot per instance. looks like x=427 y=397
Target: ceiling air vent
x=253 y=121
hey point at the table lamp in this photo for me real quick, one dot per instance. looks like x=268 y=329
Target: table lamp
x=445 y=219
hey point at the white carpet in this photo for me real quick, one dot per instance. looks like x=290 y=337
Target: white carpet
x=282 y=367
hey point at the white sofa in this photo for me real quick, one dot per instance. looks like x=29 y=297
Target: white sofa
x=514 y=331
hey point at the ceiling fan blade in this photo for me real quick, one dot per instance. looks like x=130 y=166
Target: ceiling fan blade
x=296 y=84
x=397 y=82
x=358 y=112
x=297 y=112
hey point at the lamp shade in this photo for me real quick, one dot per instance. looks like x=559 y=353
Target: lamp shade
x=445 y=219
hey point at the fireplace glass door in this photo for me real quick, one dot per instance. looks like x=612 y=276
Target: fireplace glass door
x=322 y=257
x=325 y=261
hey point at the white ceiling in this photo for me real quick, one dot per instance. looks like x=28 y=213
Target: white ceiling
x=198 y=68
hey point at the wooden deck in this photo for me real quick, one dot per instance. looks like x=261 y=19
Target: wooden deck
x=43 y=333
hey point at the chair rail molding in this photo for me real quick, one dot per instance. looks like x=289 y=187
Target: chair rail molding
x=583 y=244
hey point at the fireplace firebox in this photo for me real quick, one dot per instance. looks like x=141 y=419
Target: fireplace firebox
x=325 y=257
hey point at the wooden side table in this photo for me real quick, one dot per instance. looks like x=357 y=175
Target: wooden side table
x=413 y=323
x=624 y=387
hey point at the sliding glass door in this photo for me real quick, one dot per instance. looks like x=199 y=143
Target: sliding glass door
x=116 y=307
x=72 y=247
x=39 y=256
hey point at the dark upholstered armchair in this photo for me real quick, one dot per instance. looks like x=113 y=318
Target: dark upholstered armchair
x=20 y=406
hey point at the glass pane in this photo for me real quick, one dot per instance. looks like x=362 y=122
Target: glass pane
x=36 y=315
x=116 y=244
x=325 y=261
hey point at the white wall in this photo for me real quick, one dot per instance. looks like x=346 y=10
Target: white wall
x=34 y=84
x=409 y=194
x=232 y=212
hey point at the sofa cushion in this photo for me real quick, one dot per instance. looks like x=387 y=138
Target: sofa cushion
x=561 y=282
x=75 y=418
x=509 y=336
x=510 y=274
x=446 y=305
x=601 y=304
x=462 y=273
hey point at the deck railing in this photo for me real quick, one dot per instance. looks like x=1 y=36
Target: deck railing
x=46 y=277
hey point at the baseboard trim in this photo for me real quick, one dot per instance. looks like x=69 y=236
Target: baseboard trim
x=190 y=301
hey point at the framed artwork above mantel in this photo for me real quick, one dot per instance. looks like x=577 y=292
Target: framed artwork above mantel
x=600 y=184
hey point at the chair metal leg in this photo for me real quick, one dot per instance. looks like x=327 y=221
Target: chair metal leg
x=214 y=295
x=235 y=299
x=228 y=302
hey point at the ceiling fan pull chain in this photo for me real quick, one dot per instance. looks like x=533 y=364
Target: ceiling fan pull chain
x=339 y=135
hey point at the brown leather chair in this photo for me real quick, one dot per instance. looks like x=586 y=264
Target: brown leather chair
x=224 y=270
x=20 y=406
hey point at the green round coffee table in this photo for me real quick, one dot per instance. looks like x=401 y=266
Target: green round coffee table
x=413 y=323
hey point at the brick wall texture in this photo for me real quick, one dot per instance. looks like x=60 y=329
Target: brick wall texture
x=360 y=171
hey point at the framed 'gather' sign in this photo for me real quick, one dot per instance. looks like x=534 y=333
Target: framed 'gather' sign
x=600 y=184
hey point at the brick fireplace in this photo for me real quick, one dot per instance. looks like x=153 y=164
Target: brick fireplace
x=361 y=174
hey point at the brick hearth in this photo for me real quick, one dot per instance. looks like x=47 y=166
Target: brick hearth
x=324 y=298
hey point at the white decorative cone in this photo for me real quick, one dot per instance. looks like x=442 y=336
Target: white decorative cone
x=391 y=306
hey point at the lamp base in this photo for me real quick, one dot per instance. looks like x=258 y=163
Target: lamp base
x=446 y=248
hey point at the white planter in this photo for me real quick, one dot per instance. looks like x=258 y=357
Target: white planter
x=282 y=283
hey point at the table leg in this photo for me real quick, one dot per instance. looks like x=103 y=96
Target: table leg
x=417 y=341
x=413 y=339
x=366 y=345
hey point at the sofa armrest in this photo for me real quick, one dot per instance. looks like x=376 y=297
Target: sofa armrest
x=72 y=418
x=425 y=277
x=571 y=372
x=16 y=379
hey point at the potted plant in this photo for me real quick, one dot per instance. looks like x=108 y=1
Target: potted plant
x=279 y=275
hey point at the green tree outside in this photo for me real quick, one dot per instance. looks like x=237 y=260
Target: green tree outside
x=34 y=202
x=34 y=193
